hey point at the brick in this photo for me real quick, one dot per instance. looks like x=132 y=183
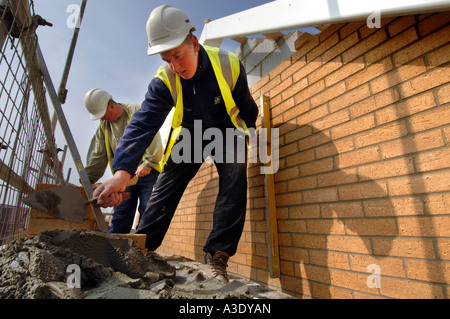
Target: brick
x=412 y=144
x=439 y=57
x=334 y=148
x=394 y=207
x=433 y=160
x=307 y=69
x=381 y=134
x=419 y=184
x=289 y=199
x=332 y=120
x=374 y=103
x=294 y=185
x=283 y=107
x=388 y=266
x=329 y=259
x=405 y=289
x=444 y=94
x=326 y=292
x=320 y=195
x=326 y=226
x=291 y=226
x=385 y=169
x=371 y=227
x=355 y=126
x=401 y=24
x=370 y=72
x=295 y=66
x=352 y=244
x=300 y=158
x=434 y=22
x=404 y=247
x=349 y=98
x=351 y=280
x=344 y=72
x=437 y=204
x=406 y=108
x=394 y=44
x=293 y=113
x=312 y=273
x=429 y=120
x=314 y=140
x=443 y=246
x=322 y=47
x=309 y=91
x=428 y=271
x=328 y=94
x=309 y=241
x=324 y=70
x=364 y=46
x=372 y=189
x=339 y=177
x=294 y=133
x=359 y=157
x=296 y=87
x=349 y=28
x=340 y=47
x=425 y=82
x=341 y=210
x=398 y=75
x=436 y=226
x=293 y=254
x=283 y=85
x=304 y=211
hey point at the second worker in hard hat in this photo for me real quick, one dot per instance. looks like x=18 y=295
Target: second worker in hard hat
x=114 y=118
x=208 y=89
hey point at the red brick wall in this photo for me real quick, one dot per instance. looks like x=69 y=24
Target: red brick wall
x=364 y=178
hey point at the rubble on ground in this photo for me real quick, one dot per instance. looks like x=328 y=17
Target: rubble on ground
x=82 y=264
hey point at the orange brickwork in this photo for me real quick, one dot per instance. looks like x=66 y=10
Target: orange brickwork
x=363 y=187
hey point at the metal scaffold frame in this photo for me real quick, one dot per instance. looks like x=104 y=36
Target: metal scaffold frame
x=28 y=151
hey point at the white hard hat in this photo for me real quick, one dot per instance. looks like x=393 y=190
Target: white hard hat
x=167 y=28
x=96 y=102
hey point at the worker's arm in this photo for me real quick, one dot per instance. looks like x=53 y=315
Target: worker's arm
x=248 y=110
x=143 y=127
x=152 y=156
x=110 y=192
x=97 y=158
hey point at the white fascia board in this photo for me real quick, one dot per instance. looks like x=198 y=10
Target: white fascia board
x=295 y=14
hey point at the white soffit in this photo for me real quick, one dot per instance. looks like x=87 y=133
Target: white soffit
x=295 y=14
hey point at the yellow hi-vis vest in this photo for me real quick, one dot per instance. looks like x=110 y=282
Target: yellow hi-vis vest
x=226 y=68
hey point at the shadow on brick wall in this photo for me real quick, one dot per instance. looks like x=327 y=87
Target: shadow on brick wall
x=332 y=235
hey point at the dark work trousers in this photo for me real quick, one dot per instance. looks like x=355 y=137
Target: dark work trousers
x=123 y=215
x=230 y=207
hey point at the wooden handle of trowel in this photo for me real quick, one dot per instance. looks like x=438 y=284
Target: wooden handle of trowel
x=93 y=201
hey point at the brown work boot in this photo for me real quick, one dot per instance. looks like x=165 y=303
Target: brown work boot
x=216 y=267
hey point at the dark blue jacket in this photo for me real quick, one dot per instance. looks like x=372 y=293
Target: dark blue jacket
x=201 y=101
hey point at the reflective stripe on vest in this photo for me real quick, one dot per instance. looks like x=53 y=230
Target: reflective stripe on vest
x=226 y=68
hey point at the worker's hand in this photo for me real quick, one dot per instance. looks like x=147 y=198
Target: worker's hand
x=110 y=192
x=142 y=171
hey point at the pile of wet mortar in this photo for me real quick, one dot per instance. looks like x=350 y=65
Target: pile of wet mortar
x=109 y=267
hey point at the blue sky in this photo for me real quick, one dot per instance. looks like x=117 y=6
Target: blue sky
x=111 y=53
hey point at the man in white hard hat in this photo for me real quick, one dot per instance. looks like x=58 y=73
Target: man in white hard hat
x=209 y=90
x=114 y=118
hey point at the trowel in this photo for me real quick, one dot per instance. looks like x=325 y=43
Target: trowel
x=64 y=202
